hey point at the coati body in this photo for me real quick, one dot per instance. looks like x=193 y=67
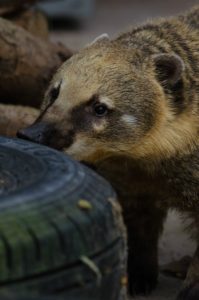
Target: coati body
x=130 y=107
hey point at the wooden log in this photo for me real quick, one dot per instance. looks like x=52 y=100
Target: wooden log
x=27 y=64
x=31 y=20
x=26 y=15
x=11 y=6
x=14 y=117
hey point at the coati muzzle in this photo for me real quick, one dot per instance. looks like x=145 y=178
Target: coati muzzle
x=38 y=133
x=46 y=134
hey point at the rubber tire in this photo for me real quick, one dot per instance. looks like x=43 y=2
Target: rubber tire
x=51 y=243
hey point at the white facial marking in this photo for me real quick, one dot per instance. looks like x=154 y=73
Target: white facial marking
x=80 y=148
x=129 y=119
x=99 y=127
x=107 y=101
x=64 y=83
x=57 y=84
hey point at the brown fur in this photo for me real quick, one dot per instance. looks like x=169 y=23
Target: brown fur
x=147 y=141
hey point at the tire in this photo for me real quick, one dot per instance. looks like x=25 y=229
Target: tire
x=61 y=231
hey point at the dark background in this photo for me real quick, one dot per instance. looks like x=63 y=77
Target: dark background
x=113 y=16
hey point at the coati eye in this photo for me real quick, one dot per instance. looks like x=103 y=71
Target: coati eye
x=100 y=110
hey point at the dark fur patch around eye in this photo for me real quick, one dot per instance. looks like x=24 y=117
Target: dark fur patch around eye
x=51 y=97
x=54 y=93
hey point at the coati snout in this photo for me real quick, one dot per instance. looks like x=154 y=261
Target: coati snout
x=38 y=133
x=46 y=134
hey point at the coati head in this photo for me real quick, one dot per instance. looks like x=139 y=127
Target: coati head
x=109 y=100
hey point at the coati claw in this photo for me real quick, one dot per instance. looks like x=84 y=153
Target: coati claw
x=142 y=277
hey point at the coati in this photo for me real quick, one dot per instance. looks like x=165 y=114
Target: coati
x=130 y=107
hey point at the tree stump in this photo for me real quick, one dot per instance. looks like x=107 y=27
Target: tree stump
x=27 y=64
x=10 y=6
x=14 y=118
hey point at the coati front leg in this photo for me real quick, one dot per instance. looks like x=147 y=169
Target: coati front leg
x=143 y=217
x=144 y=223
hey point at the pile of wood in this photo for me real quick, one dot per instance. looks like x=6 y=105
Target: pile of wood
x=28 y=60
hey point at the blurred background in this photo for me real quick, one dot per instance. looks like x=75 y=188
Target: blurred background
x=77 y=22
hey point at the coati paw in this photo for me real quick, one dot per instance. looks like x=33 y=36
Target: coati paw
x=142 y=283
x=190 y=293
x=143 y=273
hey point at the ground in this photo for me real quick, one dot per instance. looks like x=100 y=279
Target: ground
x=167 y=290
x=175 y=243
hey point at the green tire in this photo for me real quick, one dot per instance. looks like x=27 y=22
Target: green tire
x=61 y=231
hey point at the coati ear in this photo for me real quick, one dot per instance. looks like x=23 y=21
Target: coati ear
x=102 y=37
x=169 y=68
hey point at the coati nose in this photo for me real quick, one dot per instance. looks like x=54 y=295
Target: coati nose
x=38 y=133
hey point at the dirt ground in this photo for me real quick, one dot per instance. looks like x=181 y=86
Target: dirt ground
x=114 y=16
x=175 y=243
x=167 y=290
